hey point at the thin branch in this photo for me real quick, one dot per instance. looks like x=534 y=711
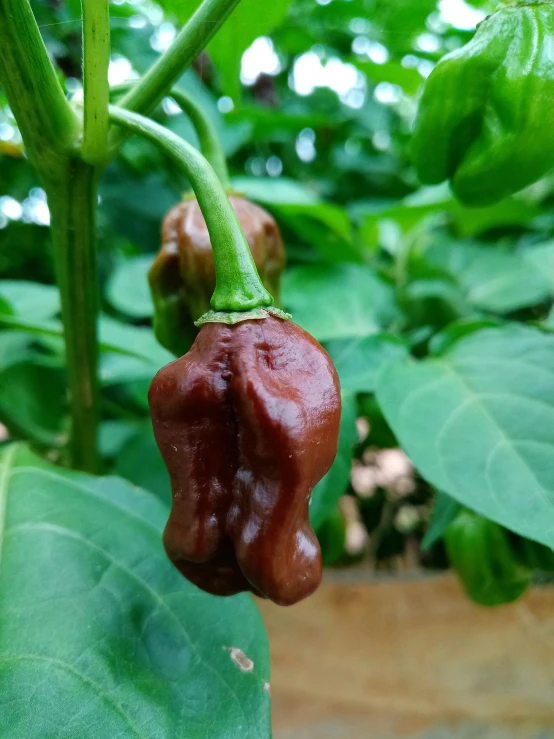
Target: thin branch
x=208 y=138
x=161 y=77
x=238 y=285
x=96 y=60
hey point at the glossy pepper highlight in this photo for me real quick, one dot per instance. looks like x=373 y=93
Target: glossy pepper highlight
x=182 y=277
x=486 y=116
x=247 y=423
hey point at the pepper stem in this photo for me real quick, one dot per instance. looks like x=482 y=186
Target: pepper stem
x=210 y=143
x=238 y=284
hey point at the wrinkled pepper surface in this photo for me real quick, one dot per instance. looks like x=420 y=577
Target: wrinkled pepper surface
x=247 y=423
x=486 y=116
x=480 y=552
x=182 y=277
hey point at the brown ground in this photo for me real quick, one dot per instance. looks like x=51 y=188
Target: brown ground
x=411 y=659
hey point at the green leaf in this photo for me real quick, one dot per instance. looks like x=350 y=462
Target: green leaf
x=99 y=635
x=445 y=511
x=477 y=423
x=33 y=401
x=114 y=336
x=14 y=348
x=275 y=191
x=30 y=299
x=127 y=290
x=333 y=486
x=358 y=361
x=139 y=461
x=338 y=301
x=541 y=257
x=409 y=79
x=325 y=226
x=493 y=278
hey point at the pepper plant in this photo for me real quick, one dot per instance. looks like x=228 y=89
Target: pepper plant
x=438 y=317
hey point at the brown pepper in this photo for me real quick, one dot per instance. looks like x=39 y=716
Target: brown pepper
x=247 y=423
x=185 y=262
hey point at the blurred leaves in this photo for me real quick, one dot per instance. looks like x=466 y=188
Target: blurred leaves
x=338 y=301
x=29 y=299
x=359 y=361
x=127 y=289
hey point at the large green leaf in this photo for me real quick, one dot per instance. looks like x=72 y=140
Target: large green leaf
x=338 y=301
x=99 y=635
x=478 y=423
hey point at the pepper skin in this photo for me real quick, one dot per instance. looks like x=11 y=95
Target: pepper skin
x=247 y=423
x=486 y=116
x=480 y=552
x=182 y=277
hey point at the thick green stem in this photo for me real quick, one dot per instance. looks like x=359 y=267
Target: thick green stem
x=194 y=36
x=238 y=285
x=72 y=205
x=48 y=126
x=210 y=143
x=96 y=60
x=51 y=133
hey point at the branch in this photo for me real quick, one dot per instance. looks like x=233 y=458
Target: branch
x=194 y=36
x=48 y=126
x=210 y=143
x=238 y=285
x=96 y=60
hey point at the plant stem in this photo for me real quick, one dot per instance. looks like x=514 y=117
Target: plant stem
x=96 y=60
x=48 y=125
x=238 y=285
x=161 y=77
x=210 y=143
x=73 y=221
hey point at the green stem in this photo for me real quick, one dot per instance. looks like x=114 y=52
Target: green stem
x=73 y=215
x=210 y=143
x=48 y=126
x=238 y=285
x=161 y=77
x=96 y=60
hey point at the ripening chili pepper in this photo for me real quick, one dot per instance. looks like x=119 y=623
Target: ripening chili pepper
x=182 y=277
x=486 y=115
x=247 y=423
x=480 y=552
